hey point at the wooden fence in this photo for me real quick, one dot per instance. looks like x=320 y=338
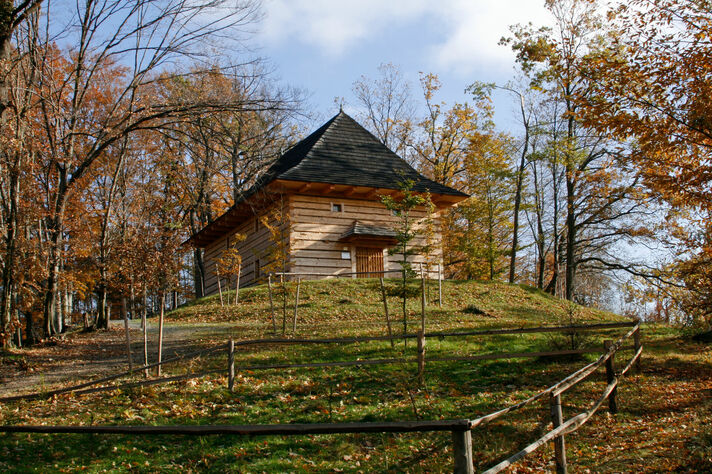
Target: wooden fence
x=421 y=359
x=461 y=429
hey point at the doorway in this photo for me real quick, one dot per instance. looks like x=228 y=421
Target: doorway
x=369 y=259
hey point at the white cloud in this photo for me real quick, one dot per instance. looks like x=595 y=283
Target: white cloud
x=475 y=29
x=471 y=29
x=332 y=26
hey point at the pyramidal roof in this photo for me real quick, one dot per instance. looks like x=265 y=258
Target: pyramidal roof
x=343 y=152
x=340 y=152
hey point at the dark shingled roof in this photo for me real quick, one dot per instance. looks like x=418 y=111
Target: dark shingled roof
x=359 y=229
x=340 y=152
x=343 y=152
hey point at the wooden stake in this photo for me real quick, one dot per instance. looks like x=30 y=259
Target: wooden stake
x=610 y=376
x=636 y=342
x=422 y=299
x=271 y=302
x=296 y=305
x=126 y=330
x=440 y=286
x=231 y=365
x=284 y=304
x=388 y=319
x=145 y=330
x=462 y=452
x=217 y=274
x=421 y=358
x=160 y=333
x=559 y=442
x=237 y=285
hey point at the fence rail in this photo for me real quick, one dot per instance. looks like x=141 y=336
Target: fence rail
x=89 y=387
x=460 y=429
x=571 y=425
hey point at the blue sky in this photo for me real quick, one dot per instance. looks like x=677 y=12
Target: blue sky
x=324 y=46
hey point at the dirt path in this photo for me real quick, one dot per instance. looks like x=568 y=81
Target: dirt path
x=80 y=357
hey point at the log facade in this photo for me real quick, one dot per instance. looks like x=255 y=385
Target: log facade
x=328 y=189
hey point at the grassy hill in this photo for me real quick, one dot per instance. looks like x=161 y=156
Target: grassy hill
x=355 y=306
x=662 y=423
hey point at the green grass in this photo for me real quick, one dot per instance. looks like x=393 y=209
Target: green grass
x=382 y=393
x=354 y=307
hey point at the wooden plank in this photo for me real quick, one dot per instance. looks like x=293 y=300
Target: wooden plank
x=230 y=365
x=559 y=442
x=610 y=377
x=333 y=263
x=252 y=430
x=462 y=452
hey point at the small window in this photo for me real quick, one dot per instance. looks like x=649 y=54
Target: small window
x=257 y=268
x=257 y=224
x=336 y=207
x=395 y=212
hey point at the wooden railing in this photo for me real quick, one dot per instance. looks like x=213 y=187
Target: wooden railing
x=561 y=428
x=461 y=429
x=420 y=360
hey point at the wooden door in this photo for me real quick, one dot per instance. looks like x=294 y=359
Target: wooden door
x=369 y=259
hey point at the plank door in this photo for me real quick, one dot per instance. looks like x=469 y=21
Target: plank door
x=369 y=259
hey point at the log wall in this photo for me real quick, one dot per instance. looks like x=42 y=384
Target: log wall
x=314 y=233
x=316 y=230
x=257 y=246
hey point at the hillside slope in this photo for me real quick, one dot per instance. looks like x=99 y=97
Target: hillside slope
x=662 y=424
x=356 y=306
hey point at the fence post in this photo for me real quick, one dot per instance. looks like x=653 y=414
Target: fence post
x=636 y=341
x=610 y=376
x=559 y=442
x=421 y=357
x=462 y=452
x=230 y=364
x=271 y=302
x=422 y=299
x=217 y=274
x=388 y=319
x=440 y=286
x=296 y=305
x=237 y=284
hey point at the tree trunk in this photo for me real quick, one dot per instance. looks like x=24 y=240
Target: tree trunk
x=198 y=273
x=570 y=239
x=50 y=299
x=9 y=257
x=518 y=194
x=102 y=319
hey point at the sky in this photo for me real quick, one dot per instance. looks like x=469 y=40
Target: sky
x=323 y=46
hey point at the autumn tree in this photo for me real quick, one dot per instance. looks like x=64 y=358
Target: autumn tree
x=651 y=89
x=486 y=231
x=226 y=151
x=388 y=107
x=403 y=206
x=603 y=201
x=278 y=223
x=101 y=88
x=230 y=263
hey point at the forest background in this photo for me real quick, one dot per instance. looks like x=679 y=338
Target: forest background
x=128 y=126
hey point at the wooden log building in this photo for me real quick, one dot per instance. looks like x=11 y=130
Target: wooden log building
x=328 y=188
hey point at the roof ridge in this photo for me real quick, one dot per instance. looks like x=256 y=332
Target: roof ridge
x=326 y=127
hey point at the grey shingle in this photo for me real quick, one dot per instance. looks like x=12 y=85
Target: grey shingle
x=343 y=152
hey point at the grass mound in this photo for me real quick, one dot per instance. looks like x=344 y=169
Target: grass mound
x=355 y=307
